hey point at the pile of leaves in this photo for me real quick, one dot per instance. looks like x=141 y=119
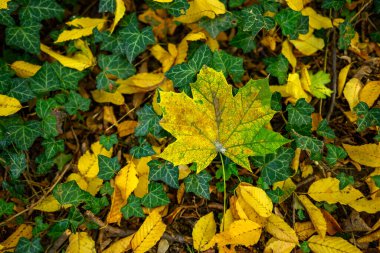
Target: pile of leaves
x=188 y=126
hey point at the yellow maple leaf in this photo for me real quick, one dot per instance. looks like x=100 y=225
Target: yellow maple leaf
x=149 y=233
x=331 y=244
x=278 y=228
x=367 y=154
x=119 y=13
x=203 y=231
x=81 y=242
x=25 y=69
x=256 y=198
x=83 y=27
x=202 y=8
x=315 y=215
x=9 y=105
x=214 y=121
x=277 y=246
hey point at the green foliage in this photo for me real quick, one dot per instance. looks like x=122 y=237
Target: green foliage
x=165 y=172
x=376 y=179
x=198 y=184
x=24 y=134
x=26 y=37
x=108 y=167
x=15 y=160
x=108 y=141
x=244 y=40
x=334 y=154
x=318 y=82
x=219 y=24
x=148 y=122
x=344 y=180
x=230 y=65
x=76 y=102
x=175 y=8
x=278 y=67
x=324 y=130
x=142 y=150
x=366 y=117
x=156 y=196
x=305 y=247
x=275 y=195
x=107 y=6
x=346 y=34
x=299 y=117
x=29 y=246
x=69 y=193
x=6 y=208
x=133 y=208
x=310 y=144
x=275 y=102
x=37 y=10
x=333 y=4
x=292 y=23
x=53 y=147
x=40 y=226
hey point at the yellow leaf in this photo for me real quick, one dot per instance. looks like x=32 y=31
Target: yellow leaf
x=295 y=5
x=292 y=90
x=202 y=8
x=88 y=165
x=342 y=78
x=242 y=232
x=122 y=245
x=369 y=238
x=119 y=13
x=304 y=229
x=149 y=233
x=331 y=245
x=287 y=186
x=49 y=204
x=126 y=127
x=351 y=92
x=278 y=228
x=84 y=27
x=164 y=57
x=184 y=171
x=183 y=46
x=269 y=41
x=287 y=51
x=203 y=231
x=309 y=46
x=277 y=246
x=25 y=69
x=91 y=185
x=365 y=205
x=163 y=1
x=256 y=198
x=316 y=20
x=141 y=82
x=315 y=215
x=327 y=189
x=227 y=220
x=9 y=105
x=367 y=154
x=11 y=242
x=246 y=212
x=4 y=4
x=99 y=149
x=305 y=79
x=81 y=242
x=370 y=93
x=102 y=96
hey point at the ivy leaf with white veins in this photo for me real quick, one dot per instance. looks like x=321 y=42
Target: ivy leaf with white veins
x=156 y=196
x=313 y=145
x=366 y=117
x=334 y=153
x=228 y=64
x=6 y=208
x=108 y=167
x=29 y=246
x=324 y=130
x=26 y=37
x=299 y=117
x=70 y=193
x=318 y=82
x=198 y=183
x=275 y=167
x=107 y=6
x=44 y=80
x=165 y=172
x=346 y=34
x=53 y=147
x=68 y=77
x=37 y=10
x=253 y=19
x=23 y=135
x=215 y=121
x=76 y=102
x=219 y=24
x=175 y=8
x=20 y=89
x=144 y=149
x=244 y=40
x=292 y=23
x=148 y=122
x=133 y=208
x=278 y=67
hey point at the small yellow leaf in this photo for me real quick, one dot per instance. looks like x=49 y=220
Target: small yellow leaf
x=9 y=105
x=84 y=27
x=119 y=13
x=316 y=20
x=142 y=186
x=164 y=57
x=315 y=214
x=278 y=228
x=141 y=82
x=342 y=78
x=292 y=90
x=122 y=245
x=149 y=233
x=367 y=154
x=365 y=205
x=88 y=165
x=227 y=220
x=369 y=238
x=351 y=92
x=25 y=69
x=331 y=245
x=81 y=242
x=91 y=185
x=287 y=51
x=269 y=41
x=22 y=231
x=49 y=204
x=246 y=212
x=102 y=96
x=277 y=246
x=183 y=46
x=99 y=149
x=305 y=79
x=202 y=8
x=304 y=230
x=4 y=4
x=126 y=127
x=309 y=46
x=203 y=231
x=295 y=5
x=241 y=232
x=370 y=92
x=256 y=198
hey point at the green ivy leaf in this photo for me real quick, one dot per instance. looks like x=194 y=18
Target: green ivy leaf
x=44 y=80
x=70 y=193
x=244 y=40
x=95 y=205
x=299 y=117
x=375 y=36
x=44 y=107
x=20 y=89
x=108 y=167
x=23 y=135
x=334 y=153
x=29 y=246
x=313 y=145
x=275 y=102
x=5 y=14
x=275 y=195
x=26 y=37
x=68 y=78
x=366 y=117
x=156 y=196
x=278 y=67
x=107 y=6
x=133 y=208
x=58 y=228
x=198 y=184
x=62 y=159
x=376 y=179
x=270 y=5
x=175 y=8
x=292 y=23
x=106 y=189
x=252 y=19
x=16 y=162
x=333 y=4
x=108 y=141
x=275 y=167
x=228 y=64
x=165 y=172
x=75 y=218
x=40 y=226
x=318 y=82
x=49 y=127
x=304 y=246
x=37 y=10
x=44 y=164
x=344 y=180
x=148 y=122
x=219 y=24
x=53 y=147
x=76 y=102
x=324 y=130
x=346 y=34
x=6 y=208
x=144 y=149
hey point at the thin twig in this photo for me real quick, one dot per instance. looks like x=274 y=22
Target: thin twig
x=360 y=11
x=334 y=74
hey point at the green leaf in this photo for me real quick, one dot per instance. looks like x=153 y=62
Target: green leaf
x=62 y=159
x=20 y=89
x=346 y=34
x=44 y=80
x=25 y=37
x=244 y=40
x=270 y=5
x=334 y=153
x=68 y=77
x=198 y=183
x=6 y=208
x=70 y=193
x=76 y=102
x=75 y=218
x=366 y=117
x=278 y=67
x=165 y=172
x=235 y=3
x=106 y=189
x=148 y=122
x=156 y=196
x=275 y=195
x=95 y=205
x=324 y=130
x=108 y=141
x=108 y=167
x=49 y=127
x=228 y=64
x=252 y=19
x=44 y=107
x=376 y=179
x=29 y=246
x=44 y=164
x=40 y=226
x=275 y=167
x=37 y=10
x=107 y=6
x=144 y=149
x=16 y=161
x=292 y=23
x=304 y=246
x=175 y=8
x=299 y=117
x=375 y=36
x=5 y=14
x=23 y=135
x=132 y=208
x=344 y=180
x=313 y=145
x=318 y=82
x=275 y=102
x=219 y=24
x=333 y=4
x=58 y=228
x=53 y=147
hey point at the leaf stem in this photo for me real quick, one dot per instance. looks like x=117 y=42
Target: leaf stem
x=225 y=190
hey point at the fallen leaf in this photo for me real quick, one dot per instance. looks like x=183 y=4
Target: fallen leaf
x=122 y=245
x=287 y=51
x=374 y=190
x=333 y=226
x=367 y=154
x=203 y=231
x=49 y=204
x=287 y=186
x=81 y=242
x=25 y=69
x=355 y=223
x=365 y=205
x=277 y=246
x=141 y=82
x=309 y=46
x=295 y=5
x=292 y=89
x=331 y=244
x=166 y=58
x=9 y=105
x=315 y=215
x=256 y=198
x=279 y=229
x=245 y=211
x=126 y=128
x=183 y=46
x=119 y=13
x=201 y=8
x=304 y=230
x=351 y=92
x=11 y=242
x=84 y=27
x=370 y=237
x=370 y=92
x=316 y=20
x=102 y=96
x=342 y=78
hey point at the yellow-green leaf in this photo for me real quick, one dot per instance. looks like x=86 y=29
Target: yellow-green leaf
x=9 y=105
x=202 y=8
